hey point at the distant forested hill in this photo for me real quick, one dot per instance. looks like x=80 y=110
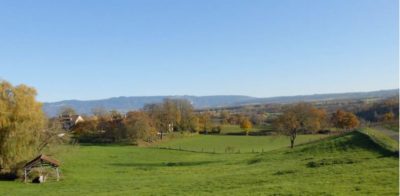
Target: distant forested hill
x=382 y=94
x=125 y=104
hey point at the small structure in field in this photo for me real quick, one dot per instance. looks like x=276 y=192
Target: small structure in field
x=41 y=162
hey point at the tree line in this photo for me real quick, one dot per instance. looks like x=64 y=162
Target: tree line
x=149 y=124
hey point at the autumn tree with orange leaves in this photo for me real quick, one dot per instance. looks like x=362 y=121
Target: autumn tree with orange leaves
x=299 y=118
x=344 y=120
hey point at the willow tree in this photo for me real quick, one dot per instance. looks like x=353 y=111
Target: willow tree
x=139 y=126
x=22 y=122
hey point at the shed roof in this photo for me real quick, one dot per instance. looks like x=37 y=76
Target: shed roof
x=43 y=160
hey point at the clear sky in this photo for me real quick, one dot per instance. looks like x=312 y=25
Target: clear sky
x=93 y=49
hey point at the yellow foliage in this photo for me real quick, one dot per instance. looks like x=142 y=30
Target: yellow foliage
x=22 y=121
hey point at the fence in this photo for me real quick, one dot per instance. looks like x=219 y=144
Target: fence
x=227 y=150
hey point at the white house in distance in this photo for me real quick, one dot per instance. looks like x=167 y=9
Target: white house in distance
x=69 y=121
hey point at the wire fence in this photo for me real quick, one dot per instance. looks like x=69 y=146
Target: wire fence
x=227 y=150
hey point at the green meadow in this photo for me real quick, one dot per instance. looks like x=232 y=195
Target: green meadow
x=234 y=144
x=351 y=164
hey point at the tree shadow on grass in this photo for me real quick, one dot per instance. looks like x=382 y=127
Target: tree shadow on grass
x=105 y=144
x=163 y=164
x=7 y=176
x=262 y=132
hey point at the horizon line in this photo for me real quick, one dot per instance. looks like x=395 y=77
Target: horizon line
x=279 y=96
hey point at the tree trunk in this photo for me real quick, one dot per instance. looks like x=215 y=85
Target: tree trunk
x=292 y=138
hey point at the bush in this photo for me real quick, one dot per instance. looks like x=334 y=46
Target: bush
x=216 y=129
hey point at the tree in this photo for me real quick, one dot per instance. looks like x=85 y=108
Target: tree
x=246 y=125
x=224 y=115
x=102 y=118
x=257 y=118
x=194 y=124
x=205 y=122
x=377 y=111
x=351 y=121
x=52 y=135
x=344 y=120
x=113 y=126
x=289 y=124
x=22 y=122
x=298 y=118
x=87 y=131
x=185 y=111
x=66 y=111
x=139 y=126
x=155 y=112
x=100 y=112
x=388 y=116
x=172 y=115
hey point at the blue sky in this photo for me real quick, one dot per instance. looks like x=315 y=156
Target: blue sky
x=95 y=49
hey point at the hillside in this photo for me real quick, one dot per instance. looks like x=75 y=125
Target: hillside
x=125 y=104
x=382 y=94
x=343 y=165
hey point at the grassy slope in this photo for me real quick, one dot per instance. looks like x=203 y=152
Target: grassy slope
x=380 y=138
x=347 y=165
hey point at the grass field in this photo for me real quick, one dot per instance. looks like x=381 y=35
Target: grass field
x=235 y=144
x=342 y=165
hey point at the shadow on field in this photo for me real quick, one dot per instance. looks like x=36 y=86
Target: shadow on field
x=163 y=164
x=8 y=176
x=253 y=133
x=105 y=144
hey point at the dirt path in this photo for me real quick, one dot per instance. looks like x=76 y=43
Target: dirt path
x=391 y=134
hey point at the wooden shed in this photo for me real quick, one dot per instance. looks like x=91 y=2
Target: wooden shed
x=41 y=161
